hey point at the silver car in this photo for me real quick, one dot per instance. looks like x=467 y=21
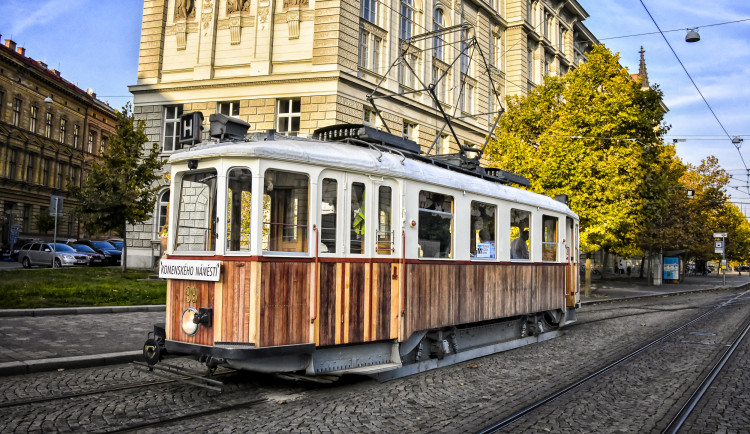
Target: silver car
x=41 y=254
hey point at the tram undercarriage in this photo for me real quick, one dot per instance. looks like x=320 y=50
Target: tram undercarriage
x=383 y=360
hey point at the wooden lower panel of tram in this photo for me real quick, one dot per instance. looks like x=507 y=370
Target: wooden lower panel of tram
x=269 y=303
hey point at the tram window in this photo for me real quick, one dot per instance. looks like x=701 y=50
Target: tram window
x=196 y=219
x=482 y=234
x=328 y=215
x=435 y=225
x=549 y=238
x=385 y=230
x=239 y=189
x=519 y=234
x=357 y=226
x=285 y=211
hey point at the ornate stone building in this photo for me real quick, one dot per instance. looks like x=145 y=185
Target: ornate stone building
x=298 y=65
x=50 y=130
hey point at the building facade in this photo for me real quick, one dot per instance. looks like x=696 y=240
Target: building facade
x=298 y=65
x=50 y=131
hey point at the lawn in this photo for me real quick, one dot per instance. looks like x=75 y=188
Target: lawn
x=75 y=287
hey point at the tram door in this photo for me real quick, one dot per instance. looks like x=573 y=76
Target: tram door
x=571 y=249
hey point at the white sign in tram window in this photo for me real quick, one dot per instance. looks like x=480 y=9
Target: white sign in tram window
x=190 y=270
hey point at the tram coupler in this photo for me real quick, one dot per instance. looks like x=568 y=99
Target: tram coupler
x=154 y=348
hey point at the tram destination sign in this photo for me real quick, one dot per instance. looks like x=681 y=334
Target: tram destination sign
x=184 y=269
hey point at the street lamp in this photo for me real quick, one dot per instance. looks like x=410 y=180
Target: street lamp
x=692 y=36
x=48 y=100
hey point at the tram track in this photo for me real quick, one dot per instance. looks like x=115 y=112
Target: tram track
x=682 y=414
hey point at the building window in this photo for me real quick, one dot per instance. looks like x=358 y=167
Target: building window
x=549 y=238
x=530 y=65
x=76 y=135
x=103 y=145
x=369 y=51
x=29 y=168
x=285 y=216
x=63 y=130
x=369 y=117
x=46 y=163
x=482 y=230
x=561 y=39
x=445 y=144
x=60 y=175
x=439 y=84
x=464 y=51
x=171 y=140
x=385 y=236
x=407 y=19
x=48 y=125
x=546 y=65
x=410 y=131
x=196 y=217
x=162 y=218
x=26 y=226
x=370 y=10
x=16 y=112
x=32 y=120
x=357 y=222
x=469 y=98
x=438 y=23
x=239 y=194
x=519 y=234
x=405 y=75
x=12 y=164
x=497 y=51
x=529 y=12
x=547 y=19
x=435 y=225
x=328 y=206
x=288 y=117
x=92 y=140
x=230 y=108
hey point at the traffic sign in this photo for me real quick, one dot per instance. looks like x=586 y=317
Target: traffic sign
x=720 y=234
x=718 y=246
x=56 y=206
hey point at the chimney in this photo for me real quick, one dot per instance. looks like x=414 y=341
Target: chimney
x=44 y=65
x=10 y=44
x=56 y=72
x=21 y=51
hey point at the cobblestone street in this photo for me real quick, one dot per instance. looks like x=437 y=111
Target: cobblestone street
x=462 y=398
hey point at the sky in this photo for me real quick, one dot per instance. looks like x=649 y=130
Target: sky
x=95 y=45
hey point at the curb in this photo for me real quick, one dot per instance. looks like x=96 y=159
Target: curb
x=31 y=366
x=6 y=313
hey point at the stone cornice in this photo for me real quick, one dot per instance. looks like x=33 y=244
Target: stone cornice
x=212 y=84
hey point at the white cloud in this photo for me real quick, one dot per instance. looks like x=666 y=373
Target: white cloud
x=31 y=14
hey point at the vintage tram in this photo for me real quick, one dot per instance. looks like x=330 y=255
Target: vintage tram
x=353 y=252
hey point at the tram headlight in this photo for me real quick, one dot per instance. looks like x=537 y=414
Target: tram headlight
x=192 y=319
x=189 y=326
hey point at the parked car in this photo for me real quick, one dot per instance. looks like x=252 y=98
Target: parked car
x=111 y=254
x=39 y=253
x=20 y=242
x=117 y=242
x=95 y=258
x=744 y=268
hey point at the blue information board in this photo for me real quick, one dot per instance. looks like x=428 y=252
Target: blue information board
x=671 y=268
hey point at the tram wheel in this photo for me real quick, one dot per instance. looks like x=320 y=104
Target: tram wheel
x=151 y=352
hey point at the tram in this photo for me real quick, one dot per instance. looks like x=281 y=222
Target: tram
x=353 y=252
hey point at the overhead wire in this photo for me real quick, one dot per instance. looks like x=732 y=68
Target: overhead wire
x=676 y=30
x=693 y=81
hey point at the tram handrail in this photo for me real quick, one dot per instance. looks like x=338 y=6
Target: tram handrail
x=315 y=292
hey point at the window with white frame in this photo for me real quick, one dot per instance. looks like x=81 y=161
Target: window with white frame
x=229 y=108
x=16 y=112
x=407 y=19
x=439 y=83
x=435 y=233
x=63 y=130
x=369 y=117
x=171 y=141
x=92 y=139
x=530 y=65
x=561 y=38
x=464 y=51
x=369 y=50
x=76 y=135
x=370 y=10
x=410 y=131
x=497 y=51
x=438 y=42
x=288 y=116
x=48 y=125
x=405 y=75
x=163 y=215
x=33 y=117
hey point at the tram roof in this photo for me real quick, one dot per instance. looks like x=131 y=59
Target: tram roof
x=371 y=161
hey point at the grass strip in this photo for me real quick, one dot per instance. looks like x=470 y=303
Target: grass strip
x=79 y=287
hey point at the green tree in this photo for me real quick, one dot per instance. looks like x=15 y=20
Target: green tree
x=595 y=135
x=121 y=188
x=45 y=222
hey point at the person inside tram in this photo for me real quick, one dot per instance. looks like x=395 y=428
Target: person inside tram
x=518 y=247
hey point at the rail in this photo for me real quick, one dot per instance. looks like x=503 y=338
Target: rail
x=527 y=410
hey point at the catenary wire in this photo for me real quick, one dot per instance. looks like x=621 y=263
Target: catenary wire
x=676 y=30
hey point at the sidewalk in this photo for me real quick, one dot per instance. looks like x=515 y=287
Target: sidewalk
x=51 y=339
